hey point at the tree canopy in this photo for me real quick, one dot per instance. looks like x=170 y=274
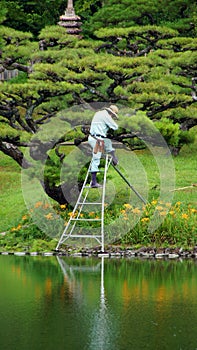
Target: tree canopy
x=177 y=14
x=33 y=15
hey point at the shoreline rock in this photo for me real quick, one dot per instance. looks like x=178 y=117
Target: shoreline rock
x=117 y=252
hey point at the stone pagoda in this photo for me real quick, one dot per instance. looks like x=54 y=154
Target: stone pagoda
x=70 y=21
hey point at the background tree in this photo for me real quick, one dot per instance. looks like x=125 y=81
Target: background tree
x=3 y=11
x=32 y=16
x=176 y=14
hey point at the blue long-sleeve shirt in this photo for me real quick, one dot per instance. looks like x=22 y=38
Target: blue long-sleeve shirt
x=101 y=123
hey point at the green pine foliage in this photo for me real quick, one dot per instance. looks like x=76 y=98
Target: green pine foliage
x=177 y=14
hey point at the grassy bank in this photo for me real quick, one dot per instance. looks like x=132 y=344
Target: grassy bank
x=15 y=217
x=12 y=203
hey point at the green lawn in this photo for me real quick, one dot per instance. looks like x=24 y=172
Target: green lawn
x=12 y=203
x=185 y=166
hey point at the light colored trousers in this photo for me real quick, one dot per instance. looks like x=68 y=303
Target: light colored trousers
x=97 y=157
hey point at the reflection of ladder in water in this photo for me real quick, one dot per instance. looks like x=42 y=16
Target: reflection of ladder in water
x=68 y=270
x=82 y=201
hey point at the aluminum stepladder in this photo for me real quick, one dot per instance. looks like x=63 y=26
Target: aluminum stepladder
x=82 y=201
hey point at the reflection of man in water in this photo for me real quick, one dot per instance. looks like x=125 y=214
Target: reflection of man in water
x=102 y=121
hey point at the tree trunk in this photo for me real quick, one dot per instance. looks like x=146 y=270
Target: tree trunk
x=63 y=194
x=15 y=153
x=175 y=150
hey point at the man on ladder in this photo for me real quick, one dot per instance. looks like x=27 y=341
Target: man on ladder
x=102 y=121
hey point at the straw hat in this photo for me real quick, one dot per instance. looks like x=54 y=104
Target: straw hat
x=113 y=109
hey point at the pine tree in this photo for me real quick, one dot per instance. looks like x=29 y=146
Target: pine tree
x=146 y=69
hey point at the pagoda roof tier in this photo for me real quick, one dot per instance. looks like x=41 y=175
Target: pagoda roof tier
x=70 y=24
x=70 y=19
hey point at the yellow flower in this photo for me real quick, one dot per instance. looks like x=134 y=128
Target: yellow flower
x=193 y=210
x=91 y=213
x=123 y=211
x=63 y=206
x=46 y=205
x=81 y=215
x=163 y=213
x=128 y=206
x=136 y=211
x=159 y=207
x=168 y=205
x=154 y=202
x=184 y=216
x=24 y=217
x=38 y=204
x=178 y=203
x=145 y=219
x=49 y=216
x=71 y=214
x=18 y=227
x=171 y=212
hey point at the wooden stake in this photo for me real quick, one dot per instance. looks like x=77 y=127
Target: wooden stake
x=184 y=188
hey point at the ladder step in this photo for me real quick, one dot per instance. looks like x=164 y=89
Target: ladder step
x=100 y=171
x=88 y=186
x=73 y=219
x=89 y=203
x=84 y=236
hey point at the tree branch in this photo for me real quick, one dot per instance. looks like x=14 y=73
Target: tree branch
x=10 y=63
x=14 y=152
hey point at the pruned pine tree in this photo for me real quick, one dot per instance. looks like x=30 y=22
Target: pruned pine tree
x=147 y=70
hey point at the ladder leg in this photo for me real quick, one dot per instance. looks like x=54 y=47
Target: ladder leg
x=67 y=233
x=107 y=163
x=61 y=240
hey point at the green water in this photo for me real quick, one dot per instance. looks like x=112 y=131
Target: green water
x=90 y=304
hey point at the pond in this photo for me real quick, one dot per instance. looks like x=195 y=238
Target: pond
x=97 y=303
